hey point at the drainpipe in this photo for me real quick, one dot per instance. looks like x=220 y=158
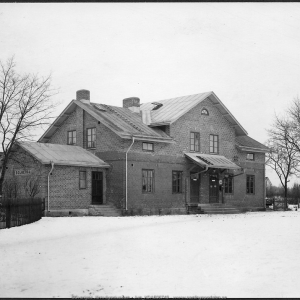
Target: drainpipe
x=203 y=171
x=52 y=167
x=126 y=199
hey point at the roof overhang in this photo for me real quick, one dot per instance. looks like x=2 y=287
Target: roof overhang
x=252 y=149
x=164 y=123
x=227 y=114
x=58 y=122
x=149 y=139
x=212 y=161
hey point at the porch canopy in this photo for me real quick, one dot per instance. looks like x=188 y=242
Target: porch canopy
x=212 y=161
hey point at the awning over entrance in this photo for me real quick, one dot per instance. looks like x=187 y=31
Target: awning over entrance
x=212 y=161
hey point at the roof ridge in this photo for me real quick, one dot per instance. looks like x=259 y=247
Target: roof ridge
x=122 y=117
x=173 y=98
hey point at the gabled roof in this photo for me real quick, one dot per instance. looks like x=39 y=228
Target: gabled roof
x=212 y=161
x=62 y=155
x=122 y=121
x=246 y=143
x=174 y=108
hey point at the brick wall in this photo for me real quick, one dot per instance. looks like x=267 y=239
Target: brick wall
x=165 y=158
x=23 y=161
x=64 y=188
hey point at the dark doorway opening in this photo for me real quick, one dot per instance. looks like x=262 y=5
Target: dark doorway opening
x=97 y=188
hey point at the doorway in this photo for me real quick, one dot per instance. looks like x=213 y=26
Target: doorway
x=194 y=187
x=213 y=189
x=97 y=188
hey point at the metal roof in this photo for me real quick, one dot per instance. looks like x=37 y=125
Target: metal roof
x=172 y=109
x=122 y=121
x=212 y=161
x=62 y=155
x=245 y=143
x=127 y=123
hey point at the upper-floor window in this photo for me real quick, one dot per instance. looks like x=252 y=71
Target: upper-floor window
x=72 y=137
x=148 y=147
x=176 y=181
x=250 y=184
x=91 y=137
x=147 y=181
x=250 y=156
x=214 y=143
x=204 y=112
x=228 y=185
x=195 y=141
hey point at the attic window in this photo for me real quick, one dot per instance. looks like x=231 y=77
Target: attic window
x=204 y=112
x=158 y=105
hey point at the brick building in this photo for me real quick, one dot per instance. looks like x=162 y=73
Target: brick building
x=159 y=157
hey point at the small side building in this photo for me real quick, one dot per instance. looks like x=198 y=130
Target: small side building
x=64 y=176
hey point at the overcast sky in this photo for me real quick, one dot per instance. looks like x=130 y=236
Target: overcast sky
x=247 y=53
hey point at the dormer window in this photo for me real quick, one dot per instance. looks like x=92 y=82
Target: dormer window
x=157 y=105
x=204 y=112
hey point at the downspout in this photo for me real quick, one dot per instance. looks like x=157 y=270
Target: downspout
x=52 y=167
x=206 y=168
x=126 y=188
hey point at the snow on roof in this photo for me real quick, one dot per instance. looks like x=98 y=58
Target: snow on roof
x=62 y=155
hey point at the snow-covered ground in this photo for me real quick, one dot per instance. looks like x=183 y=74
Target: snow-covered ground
x=245 y=255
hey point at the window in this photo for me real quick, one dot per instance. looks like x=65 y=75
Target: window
x=72 y=137
x=148 y=147
x=91 y=137
x=148 y=176
x=250 y=156
x=250 y=185
x=82 y=179
x=228 y=185
x=195 y=141
x=204 y=112
x=214 y=143
x=177 y=182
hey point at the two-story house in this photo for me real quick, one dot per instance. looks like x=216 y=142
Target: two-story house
x=159 y=157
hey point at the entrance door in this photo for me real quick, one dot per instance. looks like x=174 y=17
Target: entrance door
x=194 y=187
x=97 y=187
x=213 y=189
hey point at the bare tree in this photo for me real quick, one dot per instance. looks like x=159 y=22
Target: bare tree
x=32 y=185
x=25 y=105
x=283 y=157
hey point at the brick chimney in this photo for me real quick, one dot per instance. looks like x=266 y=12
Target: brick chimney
x=83 y=96
x=133 y=103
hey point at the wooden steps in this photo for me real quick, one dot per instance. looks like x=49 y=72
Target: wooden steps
x=198 y=208
x=104 y=210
